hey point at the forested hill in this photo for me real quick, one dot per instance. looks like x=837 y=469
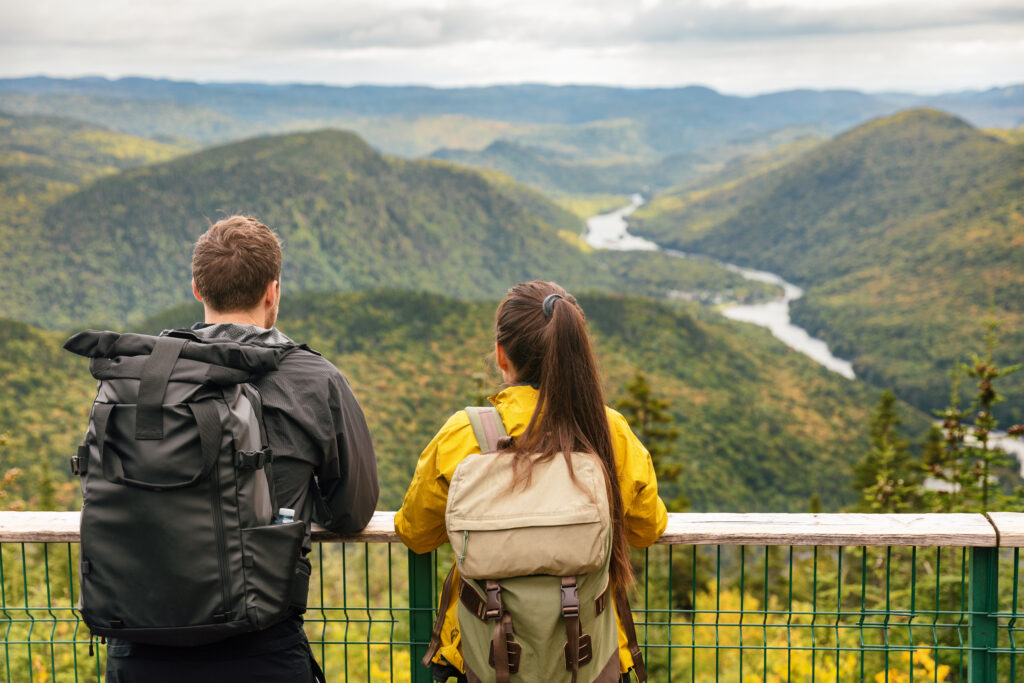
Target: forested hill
x=352 y=219
x=751 y=412
x=904 y=231
x=42 y=157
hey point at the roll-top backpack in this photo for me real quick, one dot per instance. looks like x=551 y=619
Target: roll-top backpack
x=179 y=544
x=534 y=565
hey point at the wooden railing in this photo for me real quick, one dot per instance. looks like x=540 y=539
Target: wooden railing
x=721 y=596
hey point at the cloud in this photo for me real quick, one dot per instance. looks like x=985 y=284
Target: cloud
x=730 y=44
x=411 y=24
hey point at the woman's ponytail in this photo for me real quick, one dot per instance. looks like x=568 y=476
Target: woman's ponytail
x=542 y=330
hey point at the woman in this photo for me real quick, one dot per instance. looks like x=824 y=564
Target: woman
x=553 y=404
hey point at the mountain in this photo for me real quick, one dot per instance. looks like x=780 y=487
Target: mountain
x=549 y=171
x=45 y=396
x=905 y=231
x=589 y=121
x=44 y=156
x=352 y=219
x=751 y=412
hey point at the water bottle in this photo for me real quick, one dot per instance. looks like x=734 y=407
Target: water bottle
x=284 y=516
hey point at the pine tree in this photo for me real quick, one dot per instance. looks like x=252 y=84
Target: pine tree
x=886 y=475
x=967 y=457
x=970 y=456
x=654 y=425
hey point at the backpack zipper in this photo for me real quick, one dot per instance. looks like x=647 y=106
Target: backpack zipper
x=218 y=525
x=465 y=546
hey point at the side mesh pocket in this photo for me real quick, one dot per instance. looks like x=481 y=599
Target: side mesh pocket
x=271 y=561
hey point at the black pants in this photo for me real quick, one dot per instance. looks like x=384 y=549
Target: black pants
x=291 y=665
x=279 y=654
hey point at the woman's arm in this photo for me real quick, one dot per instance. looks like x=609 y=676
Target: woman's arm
x=420 y=520
x=644 y=512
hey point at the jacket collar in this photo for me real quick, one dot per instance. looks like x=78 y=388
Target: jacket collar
x=240 y=333
x=516 y=405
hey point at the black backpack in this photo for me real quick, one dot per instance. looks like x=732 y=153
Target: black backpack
x=179 y=544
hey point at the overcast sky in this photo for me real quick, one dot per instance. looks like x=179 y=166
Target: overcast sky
x=735 y=46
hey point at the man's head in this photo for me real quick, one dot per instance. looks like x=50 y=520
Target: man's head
x=236 y=272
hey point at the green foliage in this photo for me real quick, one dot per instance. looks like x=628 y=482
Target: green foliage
x=45 y=396
x=901 y=231
x=415 y=358
x=966 y=463
x=351 y=219
x=886 y=476
x=650 y=419
x=553 y=172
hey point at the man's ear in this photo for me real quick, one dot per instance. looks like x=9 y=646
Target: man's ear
x=271 y=293
x=195 y=291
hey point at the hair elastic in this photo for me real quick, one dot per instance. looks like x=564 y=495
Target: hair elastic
x=549 y=304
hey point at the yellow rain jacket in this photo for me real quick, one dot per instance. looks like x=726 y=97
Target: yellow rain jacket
x=420 y=521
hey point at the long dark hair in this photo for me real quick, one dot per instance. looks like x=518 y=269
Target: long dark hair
x=549 y=348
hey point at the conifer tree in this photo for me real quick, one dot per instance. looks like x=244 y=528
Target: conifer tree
x=970 y=456
x=653 y=423
x=886 y=476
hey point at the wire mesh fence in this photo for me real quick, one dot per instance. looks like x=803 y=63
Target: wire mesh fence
x=715 y=612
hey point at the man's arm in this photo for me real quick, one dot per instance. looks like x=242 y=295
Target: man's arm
x=348 y=482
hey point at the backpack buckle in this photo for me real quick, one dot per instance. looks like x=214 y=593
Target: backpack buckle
x=570 y=597
x=80 y=462
x=253 y=460
x=492 y=608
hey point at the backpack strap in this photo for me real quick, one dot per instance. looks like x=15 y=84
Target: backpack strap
x=149 y=414
x=571 y=615
x=435 y=635
x=487 y=427
x=626 y=620
x=210 y=435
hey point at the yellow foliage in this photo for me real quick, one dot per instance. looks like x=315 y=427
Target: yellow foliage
x=924 y=669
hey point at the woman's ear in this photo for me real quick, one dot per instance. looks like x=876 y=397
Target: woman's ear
x=499 y=353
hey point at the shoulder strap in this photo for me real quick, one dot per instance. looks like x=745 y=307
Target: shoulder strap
x=622 y=608
x=487 y=427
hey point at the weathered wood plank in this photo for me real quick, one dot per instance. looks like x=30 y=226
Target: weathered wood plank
x=54 y=527
x=381 y=529
x=962 y=530
x=1011 y=528
x=35 y=527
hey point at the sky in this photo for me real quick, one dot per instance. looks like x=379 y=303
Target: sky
x=734 y=46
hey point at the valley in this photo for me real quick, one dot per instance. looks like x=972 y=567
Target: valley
x=901 y=232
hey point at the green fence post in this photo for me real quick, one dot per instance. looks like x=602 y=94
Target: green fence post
x=421 y=611
x=982 y=627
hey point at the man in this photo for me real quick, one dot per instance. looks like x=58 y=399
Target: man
x=324 y=465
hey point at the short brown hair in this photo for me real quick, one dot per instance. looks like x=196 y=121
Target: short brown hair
x=233 y=263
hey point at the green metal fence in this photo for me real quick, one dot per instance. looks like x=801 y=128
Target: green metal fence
x=710 y=603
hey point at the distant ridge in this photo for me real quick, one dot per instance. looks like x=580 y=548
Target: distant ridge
x=903 y=230
x=676 y=119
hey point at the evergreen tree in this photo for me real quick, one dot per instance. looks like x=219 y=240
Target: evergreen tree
x=653 y=423
x=970 y=454
x=964 y=460
x=814 y=505
x=886 y=475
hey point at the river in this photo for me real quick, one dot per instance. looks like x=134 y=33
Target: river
x=610 y=231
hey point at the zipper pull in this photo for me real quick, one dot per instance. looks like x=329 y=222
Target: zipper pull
x=465 y=545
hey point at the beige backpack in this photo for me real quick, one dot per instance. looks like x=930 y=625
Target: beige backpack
x=534 y=565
